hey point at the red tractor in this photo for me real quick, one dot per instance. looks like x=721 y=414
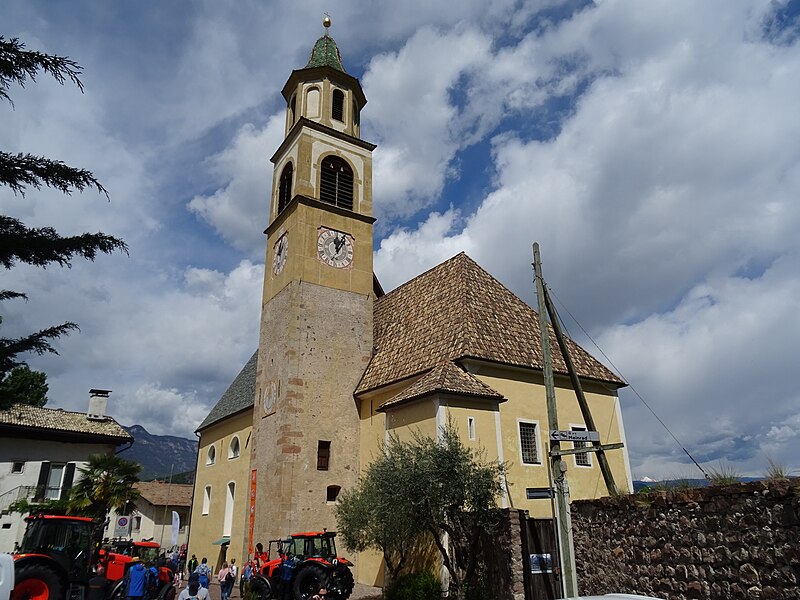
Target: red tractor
x=56 y=558
x=117 y=555
x=303 y=563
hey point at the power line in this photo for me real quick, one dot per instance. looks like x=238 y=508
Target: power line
x=619 y=372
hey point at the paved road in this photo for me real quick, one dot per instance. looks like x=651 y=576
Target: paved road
x=361 y=592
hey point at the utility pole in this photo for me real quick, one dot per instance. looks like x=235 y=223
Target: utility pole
x=558 y=468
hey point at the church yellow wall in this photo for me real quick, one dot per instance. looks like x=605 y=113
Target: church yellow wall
x=207 y=528
x=526 y=401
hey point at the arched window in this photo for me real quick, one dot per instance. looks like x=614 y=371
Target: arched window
x=356 y=116
x=292 y=108
x=228 y=522
x=233 y=449
x=336 y=183
x=206 y=499
x=337 y=108
x=285 y=187
x=211 y=456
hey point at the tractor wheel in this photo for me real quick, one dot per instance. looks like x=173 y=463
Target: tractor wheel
x=345 y=583
x=261 y=588
x=308 y=581
x=168 y=593
x=37 y=582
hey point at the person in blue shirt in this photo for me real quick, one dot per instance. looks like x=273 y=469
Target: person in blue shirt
x=137 y=579
x=204 y=572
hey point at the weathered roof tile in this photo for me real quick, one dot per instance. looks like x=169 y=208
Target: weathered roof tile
x=58 y=419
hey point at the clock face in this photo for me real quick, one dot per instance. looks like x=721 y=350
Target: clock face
x=335 y=248
x=279 y=257
x=270 y=396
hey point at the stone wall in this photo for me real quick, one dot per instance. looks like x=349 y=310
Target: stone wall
x=739 y=541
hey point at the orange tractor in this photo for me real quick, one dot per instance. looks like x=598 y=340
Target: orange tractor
x=302 y=564
x=57 y=554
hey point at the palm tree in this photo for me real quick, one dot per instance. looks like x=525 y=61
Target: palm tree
x=106 y=483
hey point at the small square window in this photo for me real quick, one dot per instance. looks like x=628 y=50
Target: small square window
x=17 y=467
x=582 y=458
x=323 y=455
x=333 y=492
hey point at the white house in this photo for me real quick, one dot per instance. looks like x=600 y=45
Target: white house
x=42 y=451
x=150 y=516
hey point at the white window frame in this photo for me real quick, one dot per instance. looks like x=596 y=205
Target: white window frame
x=471 y=428
x=206 y=499
x=588 y=455
x=238 y=453
x=538 y=435
x=211 y=455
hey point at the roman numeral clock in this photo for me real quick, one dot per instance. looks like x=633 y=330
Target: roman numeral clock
x=335 y=248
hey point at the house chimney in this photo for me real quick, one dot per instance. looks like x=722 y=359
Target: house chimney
x=98 y=401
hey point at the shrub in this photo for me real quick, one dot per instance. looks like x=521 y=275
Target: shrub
x=725 y=474
x=415 y=586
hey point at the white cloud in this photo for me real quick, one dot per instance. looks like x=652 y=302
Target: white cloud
x=239 y=209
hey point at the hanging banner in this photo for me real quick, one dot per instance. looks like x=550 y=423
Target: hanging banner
x=176 y=526
x=252 y=512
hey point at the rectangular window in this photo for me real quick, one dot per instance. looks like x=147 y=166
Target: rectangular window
x=471 y=427
x=323 y=455
x=53 y=491
x=137 y=523
x=581 y=459
x=527 y=443
x=18 y=466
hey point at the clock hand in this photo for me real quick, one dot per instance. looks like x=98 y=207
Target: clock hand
x=338 y=243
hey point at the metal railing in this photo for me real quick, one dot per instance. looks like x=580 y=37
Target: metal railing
x=21 y=492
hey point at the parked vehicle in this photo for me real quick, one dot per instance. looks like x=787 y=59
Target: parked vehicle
x=304 y=562
x=57 y=555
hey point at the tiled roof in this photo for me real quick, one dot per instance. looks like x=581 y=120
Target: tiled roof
x=444 y=377
x=325 y=54
x=156 y=493
x=457 y=310
x=57 y=419
x=239 y=395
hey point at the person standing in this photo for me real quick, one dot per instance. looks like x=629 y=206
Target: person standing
x=98 y=585
x=235 y=573
x=204 y=572
x=223 y=577
x=247 y=575
x=193 y=591
x=192 y=565
x=137 y=580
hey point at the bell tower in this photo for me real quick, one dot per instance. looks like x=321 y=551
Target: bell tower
x=316 y=317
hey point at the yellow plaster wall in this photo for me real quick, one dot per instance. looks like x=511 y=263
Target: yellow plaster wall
x=207 y=528
x=526 y=401
x=458 y=412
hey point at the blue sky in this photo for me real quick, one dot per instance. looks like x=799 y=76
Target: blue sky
x=649 y=147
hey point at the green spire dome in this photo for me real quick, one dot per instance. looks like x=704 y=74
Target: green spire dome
x=326 y=54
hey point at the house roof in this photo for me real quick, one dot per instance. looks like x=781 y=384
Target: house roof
x=455 y=311
x=26 y=417
x=159 y=493
x=239 y=395
x=444 y=377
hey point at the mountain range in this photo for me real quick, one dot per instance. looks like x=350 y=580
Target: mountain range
x=161 y=454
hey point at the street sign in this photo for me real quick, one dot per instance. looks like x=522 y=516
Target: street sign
x=122 y=526
x=574 y=436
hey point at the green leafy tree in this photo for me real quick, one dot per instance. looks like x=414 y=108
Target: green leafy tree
x=40 y=246
x=106 y=483
x=439 y=487
x=23 y=386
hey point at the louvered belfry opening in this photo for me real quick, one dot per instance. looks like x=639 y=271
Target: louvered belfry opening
x=337 y=107
x=285 y=187
x=336 y=183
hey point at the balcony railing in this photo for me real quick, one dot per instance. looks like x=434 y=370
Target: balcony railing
x=22 y=492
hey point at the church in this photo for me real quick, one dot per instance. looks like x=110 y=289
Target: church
x=341 y=365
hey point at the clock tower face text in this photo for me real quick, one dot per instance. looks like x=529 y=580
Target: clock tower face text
x=281 y=251
x=335 y=248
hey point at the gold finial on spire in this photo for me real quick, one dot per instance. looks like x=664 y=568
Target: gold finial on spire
x=326 y=22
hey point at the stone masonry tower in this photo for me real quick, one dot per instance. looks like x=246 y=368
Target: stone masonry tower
x=316 y=316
